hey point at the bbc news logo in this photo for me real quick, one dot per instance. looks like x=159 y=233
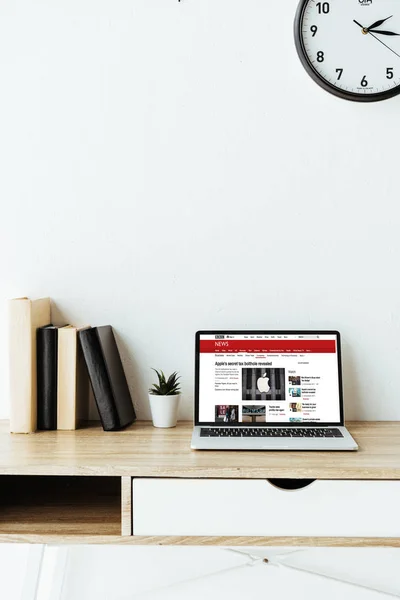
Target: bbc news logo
x=219 y=337
x=365 y=2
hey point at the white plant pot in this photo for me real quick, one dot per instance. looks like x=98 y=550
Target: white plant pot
x=164 y=410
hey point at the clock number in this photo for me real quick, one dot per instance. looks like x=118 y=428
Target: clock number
x=364 y=82
x=389 y=73
x=314 y=30
x=340 y=71
x=323 y=7
x=320 y=56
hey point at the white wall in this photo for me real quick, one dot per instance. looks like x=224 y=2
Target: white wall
x=169 y=166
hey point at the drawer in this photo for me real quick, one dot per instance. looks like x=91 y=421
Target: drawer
x=256 y=507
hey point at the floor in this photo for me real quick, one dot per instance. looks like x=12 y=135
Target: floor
x=152 y=573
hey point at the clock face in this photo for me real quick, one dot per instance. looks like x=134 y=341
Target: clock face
x=351 y=48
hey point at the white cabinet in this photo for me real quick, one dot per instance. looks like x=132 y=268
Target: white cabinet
x=239 y=507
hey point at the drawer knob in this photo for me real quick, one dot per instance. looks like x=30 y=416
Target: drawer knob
x=290 y=484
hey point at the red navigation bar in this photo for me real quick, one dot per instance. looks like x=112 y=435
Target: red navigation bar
x=268 y=346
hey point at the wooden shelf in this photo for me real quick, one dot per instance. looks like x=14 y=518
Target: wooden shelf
x=338 y=542
x=144 y=451
x=71 y=506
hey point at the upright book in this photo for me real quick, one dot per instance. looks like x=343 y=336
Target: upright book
x=107 y=377
x=25 y=316
x=47 y=358
x=72 y=380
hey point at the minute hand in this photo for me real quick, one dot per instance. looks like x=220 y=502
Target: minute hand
x=379 y=23
x=383 y=32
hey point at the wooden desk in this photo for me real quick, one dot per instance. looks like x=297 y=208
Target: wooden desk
x=76 y=486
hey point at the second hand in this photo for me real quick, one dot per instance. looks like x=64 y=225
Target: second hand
x=359 y=24
x=383 y=43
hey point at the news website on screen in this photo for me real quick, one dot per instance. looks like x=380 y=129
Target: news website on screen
x=255 y=379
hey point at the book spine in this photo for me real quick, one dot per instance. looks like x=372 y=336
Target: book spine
x=22 y=411
x=66 y=379
x=99 y=379
x=46 y=344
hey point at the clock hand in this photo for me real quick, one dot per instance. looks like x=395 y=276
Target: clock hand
x=365 y=31
x=378 y=23
x=383 y=32
x=374 y=36
x=372 y=27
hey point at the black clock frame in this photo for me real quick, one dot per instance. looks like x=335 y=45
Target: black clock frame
x=313 y=73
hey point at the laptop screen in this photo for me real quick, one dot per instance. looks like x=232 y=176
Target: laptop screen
x=256 y=378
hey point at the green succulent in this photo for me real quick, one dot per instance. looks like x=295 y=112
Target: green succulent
x=166 y=387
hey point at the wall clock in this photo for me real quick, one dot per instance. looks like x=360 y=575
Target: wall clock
x=351 y=48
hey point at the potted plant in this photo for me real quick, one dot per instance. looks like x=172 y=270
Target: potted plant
x=164 y=399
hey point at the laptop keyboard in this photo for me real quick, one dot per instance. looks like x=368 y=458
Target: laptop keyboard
x=257 y=432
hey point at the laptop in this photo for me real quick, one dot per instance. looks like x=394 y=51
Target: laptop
x=269 y=390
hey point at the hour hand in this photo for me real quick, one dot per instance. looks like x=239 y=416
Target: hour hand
x=383 y=32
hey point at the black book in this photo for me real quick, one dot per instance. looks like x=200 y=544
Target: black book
x=107 y=377
x=47 y=353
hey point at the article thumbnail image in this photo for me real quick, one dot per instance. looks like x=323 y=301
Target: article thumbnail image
x=263 y=384
x=294 y=380
x=295 y=407
x=295 y=392
x=226 y=413
x=253 y=414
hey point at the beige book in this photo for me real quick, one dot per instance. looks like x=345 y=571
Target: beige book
x=25 y=316
x=73 y=380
